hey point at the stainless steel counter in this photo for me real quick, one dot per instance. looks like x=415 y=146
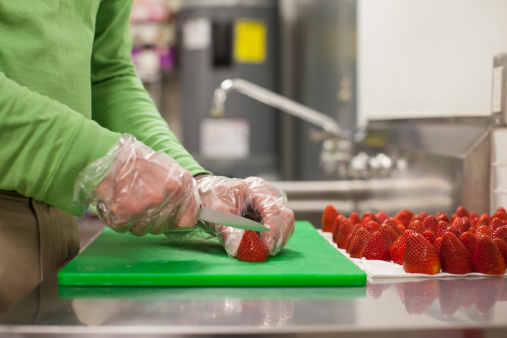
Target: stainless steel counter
x=383 y=308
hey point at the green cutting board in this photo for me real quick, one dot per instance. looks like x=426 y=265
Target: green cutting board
x=126 y=260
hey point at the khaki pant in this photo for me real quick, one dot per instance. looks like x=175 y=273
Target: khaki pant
x=35 y=240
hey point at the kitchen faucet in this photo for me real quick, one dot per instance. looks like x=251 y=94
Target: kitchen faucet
x=336 y=144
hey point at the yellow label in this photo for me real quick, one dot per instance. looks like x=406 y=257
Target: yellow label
x=250 y=41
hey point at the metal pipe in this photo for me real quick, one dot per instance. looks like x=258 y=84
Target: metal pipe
x=274 y=100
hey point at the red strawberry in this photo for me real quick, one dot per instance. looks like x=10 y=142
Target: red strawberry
x=454 y=257
x=487 y=258
x=372 y=226
x=343 y=233
x=430 y=223
x=404 y=216
x=461 y=211
x=420 y=256
x=376 y=248
x=351 y=235
x=502 y=247
x=437 y=244
x=474 y=217
x=484 y=219
x=483 y=231
x=500 y=233
x=500 y=213
x=440 y=216
x=495 y=223
x=441 y=227
x=392 y=223
x=251 y=248
x=340 y=219
x=360 y=239
x=390 y=236
x=462 y=224
x=430 y=236
x=354 y=218
x=328 y=217
x=368 y=214
x=381 y=216
x=469 y=240
x=417 y=226
x=398 y=248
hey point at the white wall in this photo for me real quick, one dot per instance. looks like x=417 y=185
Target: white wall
x=424 y=58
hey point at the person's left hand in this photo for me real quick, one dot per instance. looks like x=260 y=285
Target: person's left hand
x=252 y=198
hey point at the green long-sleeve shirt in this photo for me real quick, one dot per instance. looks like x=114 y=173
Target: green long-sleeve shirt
x=67 y=90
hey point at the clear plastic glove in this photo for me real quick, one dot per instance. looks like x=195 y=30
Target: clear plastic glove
x=139 y=190
x=252 y=198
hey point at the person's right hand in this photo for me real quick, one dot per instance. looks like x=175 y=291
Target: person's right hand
x=144 y=191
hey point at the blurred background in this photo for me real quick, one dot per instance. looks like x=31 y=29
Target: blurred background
x=410 y=83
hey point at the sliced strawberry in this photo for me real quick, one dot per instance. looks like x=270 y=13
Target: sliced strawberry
x=430 y=236
x=360 y=239
x=417 y=226
x=376 y=248
x=404 y=216
x=487 y=258
x=454 y=257
x=420 y=256
x=500 y=232
x=398 y=248
x=328 y=217
x=251 y=248
x=354 y=218
x=469 y=240
x=430 y=223
x=461 y=211
x=381 y=216
x=390 y=236
x=502 y=247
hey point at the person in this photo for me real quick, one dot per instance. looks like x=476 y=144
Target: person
x=77 y=127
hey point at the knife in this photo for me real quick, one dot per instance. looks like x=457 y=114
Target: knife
x=223 y=218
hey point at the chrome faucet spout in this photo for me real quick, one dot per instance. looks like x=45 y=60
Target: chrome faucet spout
x=274 y=100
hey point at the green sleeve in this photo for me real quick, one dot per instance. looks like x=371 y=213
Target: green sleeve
x=41 y=149
x=119 y=100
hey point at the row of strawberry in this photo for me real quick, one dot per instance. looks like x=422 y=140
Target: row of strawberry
x=465 y=242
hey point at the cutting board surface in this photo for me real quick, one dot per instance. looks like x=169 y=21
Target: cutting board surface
x=126 y=260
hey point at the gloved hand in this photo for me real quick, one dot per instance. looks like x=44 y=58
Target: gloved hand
x=139 y=190
x=253 y=198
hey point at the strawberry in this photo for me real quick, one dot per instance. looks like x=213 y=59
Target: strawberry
x=398 y=248
x=484 y=219
x=500 y=213
x=392 y=223
x=351 y=235
x=328 y=216
x=343 y=233
x=430 y=223
x=390 y=236
x=381 y=216
x=462 y=224
x=376 y=248
x=461 y=211
x=469 y=240
x=339 y=220
x=372 y=226
x=454 y=257
x=369 y=214
x=441 y=227
x=474 y=217
x=487 y=258
x=441 y=216
x=251 y=248
x=404 y=216
x=483 y=231
x=437 y=244
x=420 y=256
x=500 y=232
x=495 y=223
x=417 y=226
x=354 y=218
x=360 y=239
x=502 y=247
x=430 y=236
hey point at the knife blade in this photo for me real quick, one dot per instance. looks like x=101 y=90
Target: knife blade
x=220 y=217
